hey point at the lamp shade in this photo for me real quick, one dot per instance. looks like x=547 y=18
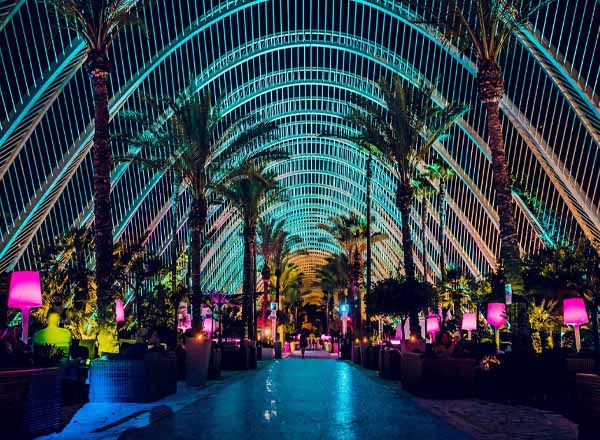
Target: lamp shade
x=496 y=314
x=433 y=324
x=25 y=291
x=119 y=310
x=574 y=312
x=469 y=321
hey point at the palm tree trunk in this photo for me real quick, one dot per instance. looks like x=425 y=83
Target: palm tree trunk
x=368 y=232
x=102 y=161
x=277 y=287
x=266 y=277
x=404 y=201
x=424 y=240
x=174 y=241
x=247 y=281
x=491 y=90
x=442 y=232
x=198 y=213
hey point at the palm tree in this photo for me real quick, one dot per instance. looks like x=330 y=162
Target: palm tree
x=404 y=132
x=332 y=278
x=441 y=174
x=455 y=292
x=270 y=233
x=184 y=142
x=423 y=190
x=350 y=232
x=247 y=189
x=484 y=28
x=292 y=280
x=99 y=23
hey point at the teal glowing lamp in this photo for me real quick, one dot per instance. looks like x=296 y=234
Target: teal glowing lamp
x=25 y=293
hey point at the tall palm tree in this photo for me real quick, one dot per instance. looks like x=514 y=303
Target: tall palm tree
x=280 y=258
x=270 y=234
x=441 y=174
x=484 y=28
x=350 y=233
x=404 y=132
x=247 y=190
x=98 y=23
x=332 y=278
x=423 y=191
x=180 y=137
x=292 y=281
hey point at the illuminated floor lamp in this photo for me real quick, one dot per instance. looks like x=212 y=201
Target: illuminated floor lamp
x=496 y=316
x=575 y=314
x=119 y=311
x=25 y=293
x=469 y=323
x=433 y=326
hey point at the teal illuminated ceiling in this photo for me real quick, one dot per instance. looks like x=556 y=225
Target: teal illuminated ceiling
x=301 y=63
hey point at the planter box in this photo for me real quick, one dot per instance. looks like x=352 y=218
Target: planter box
x=588 y=405
x=448 y=377
x=30 y=402
x=390 y=363
x=267 y=353
x=277 y=350
x=214 y=367
x=356 y=354
x=133 y=380
x=197 y=359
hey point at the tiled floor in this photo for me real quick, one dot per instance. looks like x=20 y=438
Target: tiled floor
x=301 y=399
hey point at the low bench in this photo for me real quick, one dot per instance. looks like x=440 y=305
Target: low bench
x=133 y=380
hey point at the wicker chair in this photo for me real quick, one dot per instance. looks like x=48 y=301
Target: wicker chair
x=133 y=380
x=30 y=402
x=588 y=405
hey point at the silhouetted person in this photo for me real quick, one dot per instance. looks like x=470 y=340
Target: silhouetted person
x=303 y=344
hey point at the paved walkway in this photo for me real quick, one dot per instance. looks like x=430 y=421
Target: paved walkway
x=311 y=354
x=300 y=399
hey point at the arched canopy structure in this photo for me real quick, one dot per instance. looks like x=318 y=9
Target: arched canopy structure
x=300 y=63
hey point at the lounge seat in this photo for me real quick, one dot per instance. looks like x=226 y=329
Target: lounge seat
x=133 y=380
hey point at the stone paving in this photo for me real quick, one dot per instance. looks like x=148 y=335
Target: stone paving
x=313 y=398
x=301 y=399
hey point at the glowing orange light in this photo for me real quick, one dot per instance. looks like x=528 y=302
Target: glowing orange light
x=365 y=339
x=199 y=337
x=357 y=340
x=267 y=332
x=413 y=338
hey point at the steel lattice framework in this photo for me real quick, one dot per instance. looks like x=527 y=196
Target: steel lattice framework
x=300 y=63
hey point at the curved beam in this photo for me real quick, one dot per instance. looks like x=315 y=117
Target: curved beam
x=44 y=199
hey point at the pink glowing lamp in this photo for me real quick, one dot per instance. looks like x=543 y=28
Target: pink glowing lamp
x=25 y=293
x=469 y=323
x=496 y=316
x=575 y=314
x=433 y=325
x=119 y=310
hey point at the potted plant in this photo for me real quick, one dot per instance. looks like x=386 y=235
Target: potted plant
x=197 y=359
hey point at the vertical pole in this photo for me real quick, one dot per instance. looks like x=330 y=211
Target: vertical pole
x=368 y=233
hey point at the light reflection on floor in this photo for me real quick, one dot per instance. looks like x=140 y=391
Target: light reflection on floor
x=301 y=399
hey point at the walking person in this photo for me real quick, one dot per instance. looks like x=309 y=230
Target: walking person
x=303 y=344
